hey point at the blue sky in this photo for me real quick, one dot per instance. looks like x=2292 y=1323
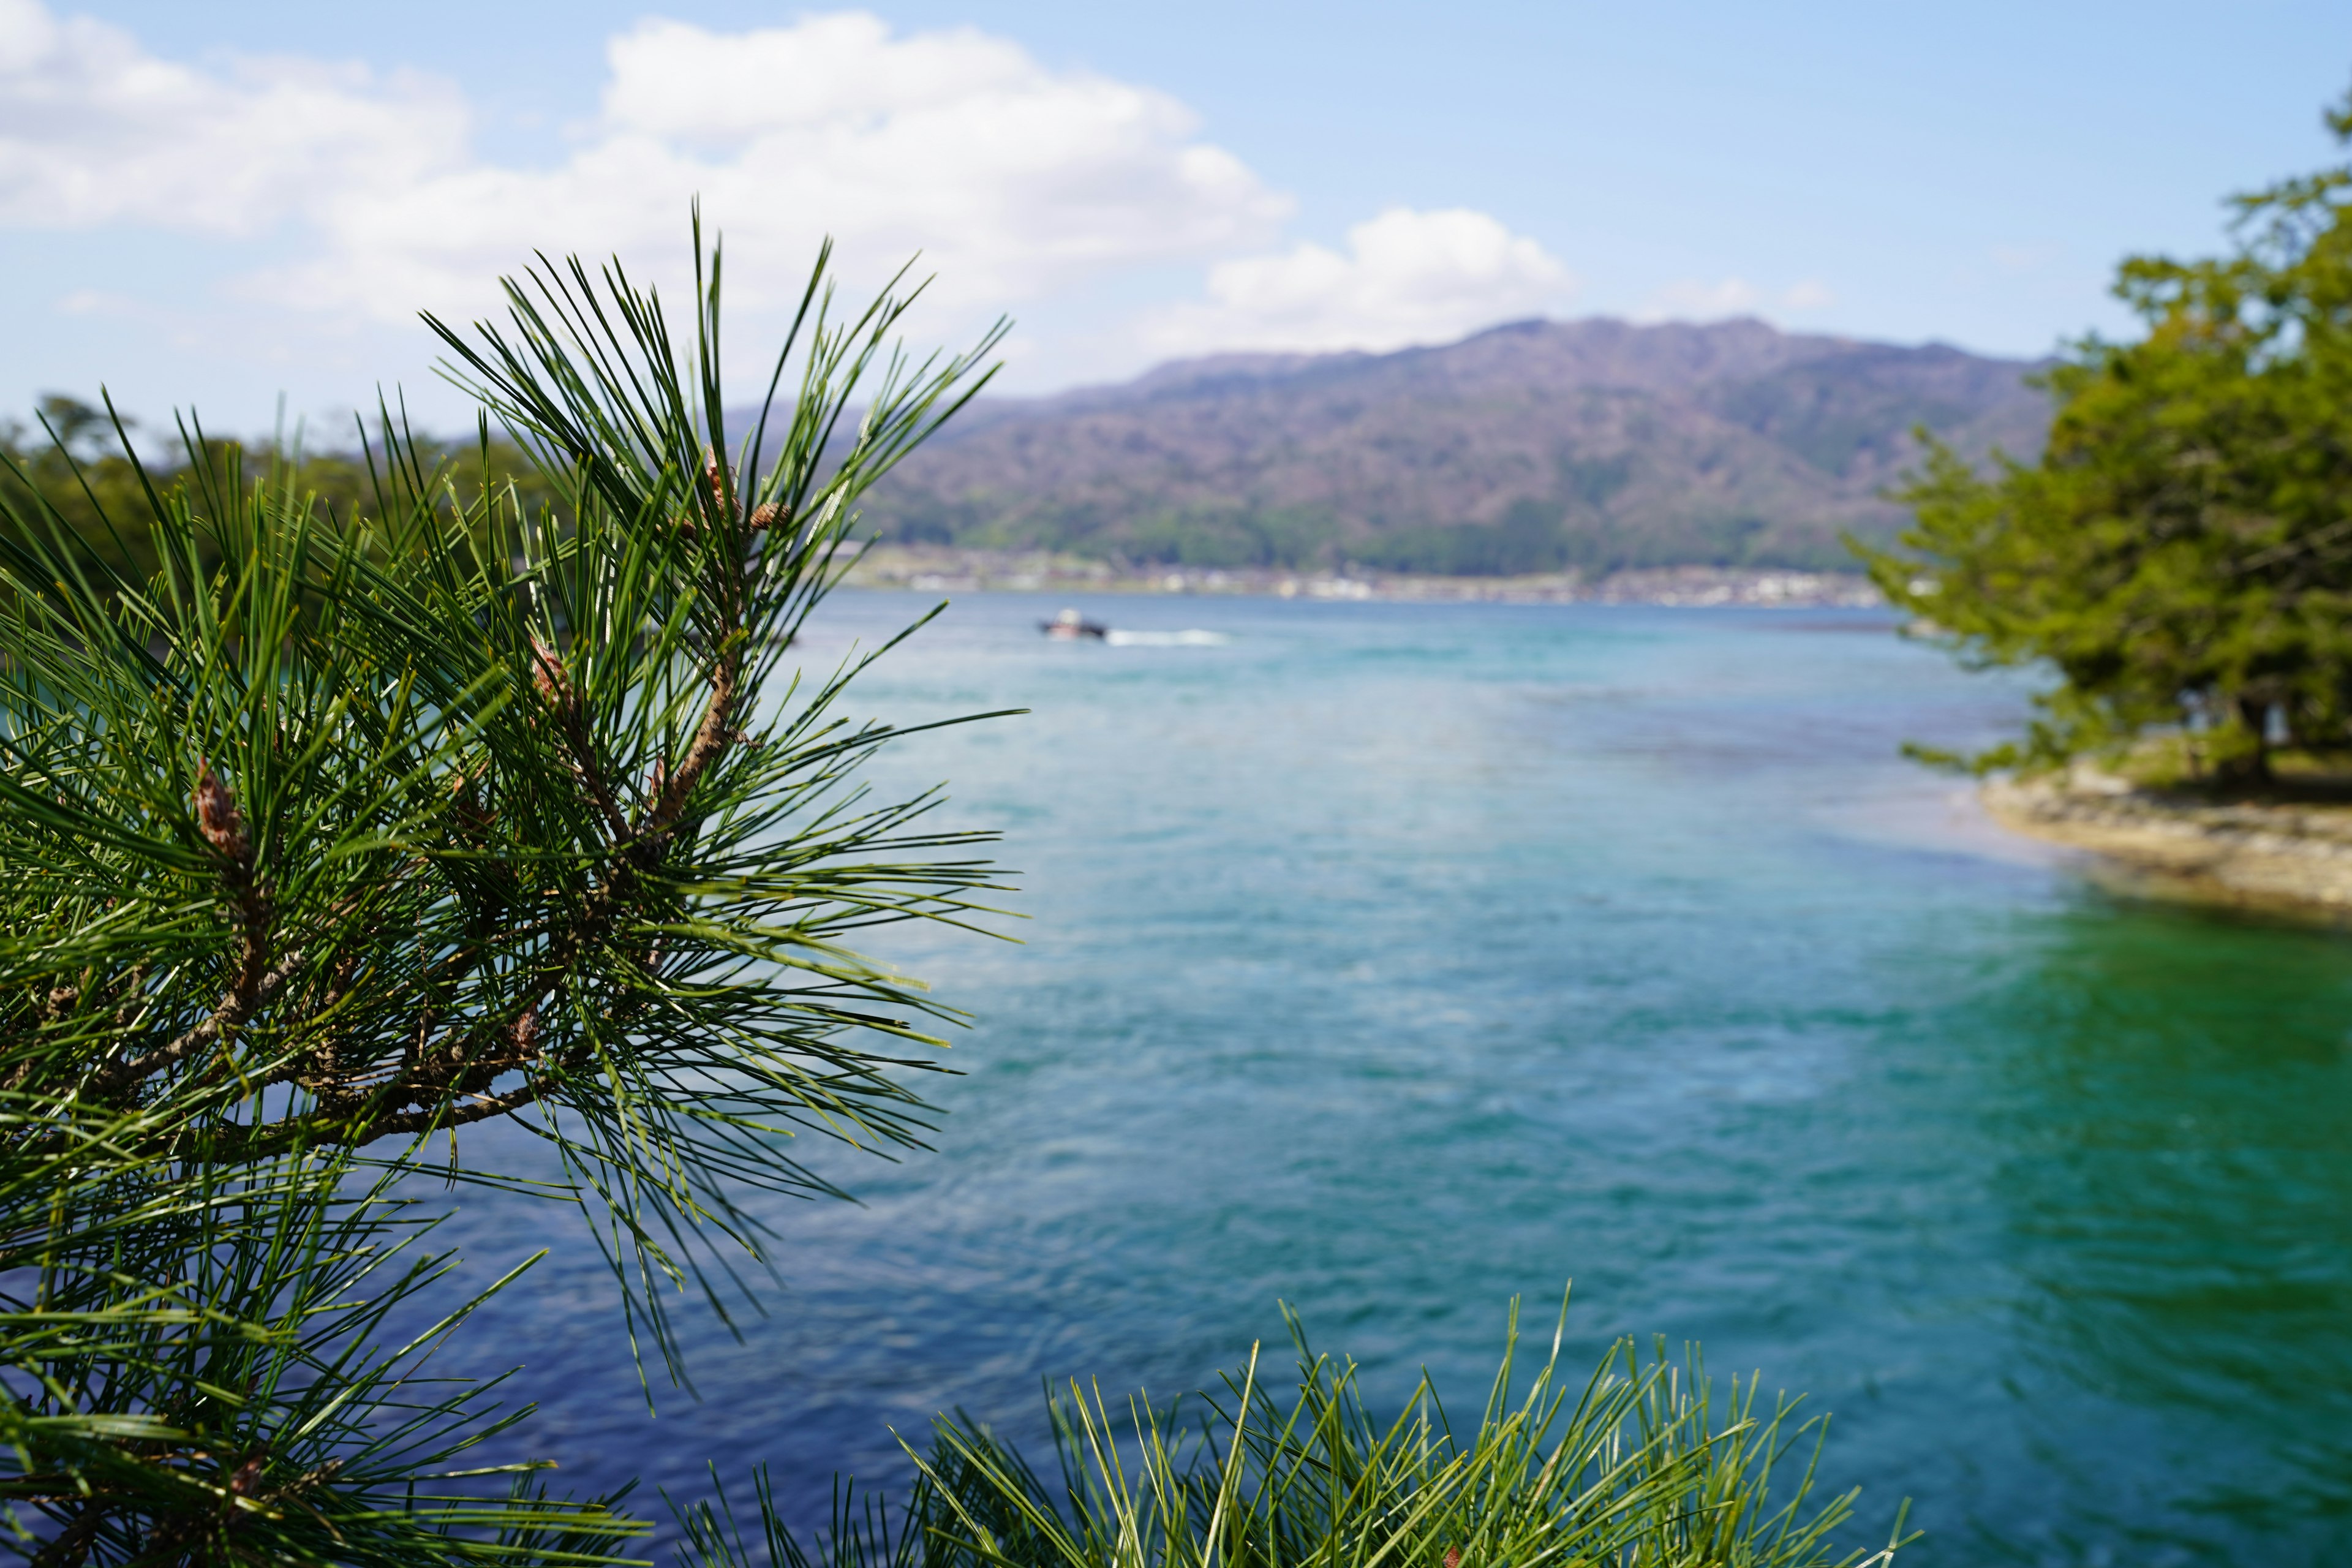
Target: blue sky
x=219 y=203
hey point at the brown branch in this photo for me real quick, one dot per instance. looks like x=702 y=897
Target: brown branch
x=257 y=981
x=134 y=986
x=236 y=1009
x=73 y=1544
x=427 y=1077
x=673 y=786
x=320 y=1070
x=557 y=690
x=433 y=1094
x=480 y=1107
x=711 y=738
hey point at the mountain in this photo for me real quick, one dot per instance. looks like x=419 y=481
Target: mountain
x=1531 y=446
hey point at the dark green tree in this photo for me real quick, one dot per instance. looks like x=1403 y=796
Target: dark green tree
x=2181 y=554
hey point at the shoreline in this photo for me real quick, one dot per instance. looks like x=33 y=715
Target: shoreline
x=944 y=569
x=2274 y=858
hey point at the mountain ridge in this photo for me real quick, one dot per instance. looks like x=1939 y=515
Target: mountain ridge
x=1532 y=446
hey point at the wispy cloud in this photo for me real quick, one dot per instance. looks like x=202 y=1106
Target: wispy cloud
x=1406 y=277
x=1690 y=300
x=96 y=302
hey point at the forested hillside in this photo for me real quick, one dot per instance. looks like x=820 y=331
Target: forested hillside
x=1528 y=447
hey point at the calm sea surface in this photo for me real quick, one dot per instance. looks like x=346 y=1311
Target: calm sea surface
x=1392 y=960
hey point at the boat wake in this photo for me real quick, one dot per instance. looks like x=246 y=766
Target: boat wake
x=1193 y=639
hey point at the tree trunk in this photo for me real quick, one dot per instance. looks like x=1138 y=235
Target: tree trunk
x=2252 y=766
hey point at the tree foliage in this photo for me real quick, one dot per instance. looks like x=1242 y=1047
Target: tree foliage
x=2181 y=556
x=345 y=827
x=78 y=462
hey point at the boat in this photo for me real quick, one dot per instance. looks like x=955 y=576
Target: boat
x=1069 y=626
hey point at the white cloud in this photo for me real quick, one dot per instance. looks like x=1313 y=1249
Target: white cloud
x=1407 y=277
x=1692 y=300
x=95 y=302
x=1012 y=178
x=93 y=130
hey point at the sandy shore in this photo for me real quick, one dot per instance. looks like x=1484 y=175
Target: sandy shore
x=2286 y=859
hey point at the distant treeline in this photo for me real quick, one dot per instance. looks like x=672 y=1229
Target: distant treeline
x=71 y=461
x=1533 y=535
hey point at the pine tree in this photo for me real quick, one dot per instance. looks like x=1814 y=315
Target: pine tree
x=2181 y=555
x=346 y=829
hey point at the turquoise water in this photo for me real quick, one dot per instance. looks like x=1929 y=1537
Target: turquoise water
x=1392 y=960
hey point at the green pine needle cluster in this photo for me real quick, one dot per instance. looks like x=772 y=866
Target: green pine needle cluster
x=343 y=830
x=1643 y=1466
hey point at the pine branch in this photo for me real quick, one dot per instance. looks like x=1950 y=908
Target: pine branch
x=480 y=823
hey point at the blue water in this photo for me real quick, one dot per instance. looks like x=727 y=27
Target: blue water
x=1392 y=960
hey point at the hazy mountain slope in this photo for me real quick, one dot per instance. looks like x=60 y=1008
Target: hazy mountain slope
x=1527 y=447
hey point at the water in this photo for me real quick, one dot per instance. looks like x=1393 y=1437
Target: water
x=1392 y=960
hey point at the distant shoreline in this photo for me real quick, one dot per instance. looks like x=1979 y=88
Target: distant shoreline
x=943 y=568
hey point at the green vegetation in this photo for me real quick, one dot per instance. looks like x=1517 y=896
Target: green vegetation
x=349 y=828
x=1531 y=537
x=76 y=464
x=336 y=823
x=2181 y=556
x=1296 y=536
x=1642 y=1466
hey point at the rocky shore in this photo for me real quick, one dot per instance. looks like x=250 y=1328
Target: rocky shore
x=2282 y=856
x=942 y=569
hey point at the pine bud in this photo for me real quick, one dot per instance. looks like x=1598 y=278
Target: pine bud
x=772 y=514
x=466 y=805
x=247 y=1479
x=216 y=815
x=714 y=481
x=548 y=674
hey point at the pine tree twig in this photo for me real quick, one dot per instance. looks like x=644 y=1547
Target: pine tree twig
x=251 y=993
